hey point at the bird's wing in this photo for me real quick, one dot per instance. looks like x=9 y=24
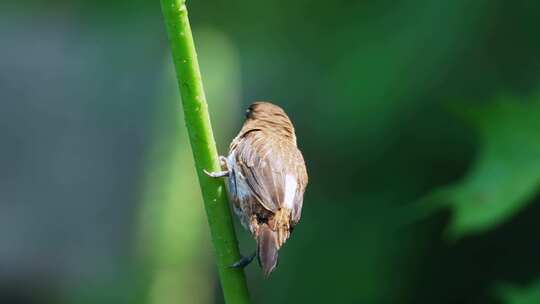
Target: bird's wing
x=264 y=161
x=302 y=178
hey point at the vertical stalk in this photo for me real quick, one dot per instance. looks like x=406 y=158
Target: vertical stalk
x=204 y=149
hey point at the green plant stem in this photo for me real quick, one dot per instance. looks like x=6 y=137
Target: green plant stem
x=204 y=149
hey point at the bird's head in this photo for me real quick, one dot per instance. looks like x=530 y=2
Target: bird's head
x=268 y=116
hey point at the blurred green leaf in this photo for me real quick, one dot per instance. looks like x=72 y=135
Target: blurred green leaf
x=507 y=171
x=520 y=295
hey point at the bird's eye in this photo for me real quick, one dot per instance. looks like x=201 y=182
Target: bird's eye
x=248 y=113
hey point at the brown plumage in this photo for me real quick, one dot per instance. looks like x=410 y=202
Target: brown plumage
x=267 y=179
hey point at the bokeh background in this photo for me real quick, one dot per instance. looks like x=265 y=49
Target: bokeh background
x=419 y=121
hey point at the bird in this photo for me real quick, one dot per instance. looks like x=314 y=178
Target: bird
x=267 y=178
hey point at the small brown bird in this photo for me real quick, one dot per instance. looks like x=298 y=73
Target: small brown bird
x=267 y=179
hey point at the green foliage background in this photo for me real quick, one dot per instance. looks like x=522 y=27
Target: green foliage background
x=419 y=122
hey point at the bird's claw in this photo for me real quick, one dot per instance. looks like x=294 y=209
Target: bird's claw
x=216 y=174
x=244 y=261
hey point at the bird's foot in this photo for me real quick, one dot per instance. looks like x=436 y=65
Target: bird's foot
x=244 y=261
x=223 y=164
x=223 y=161
x=216 y=174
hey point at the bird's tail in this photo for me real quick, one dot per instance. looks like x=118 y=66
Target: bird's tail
x=267 y=249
